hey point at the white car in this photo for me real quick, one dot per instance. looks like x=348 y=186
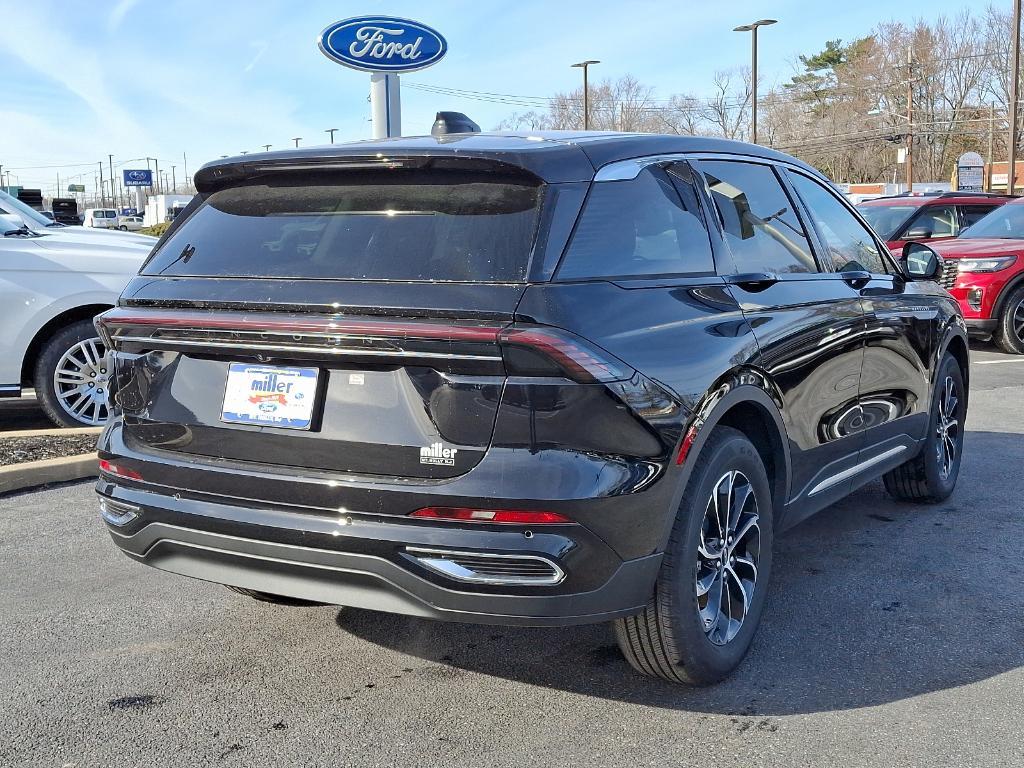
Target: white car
x=129 y=223
x=53 y=281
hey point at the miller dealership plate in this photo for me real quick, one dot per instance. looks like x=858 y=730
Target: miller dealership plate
x=270 y=397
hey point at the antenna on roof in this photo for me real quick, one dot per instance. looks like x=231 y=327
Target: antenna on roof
x=452 y=122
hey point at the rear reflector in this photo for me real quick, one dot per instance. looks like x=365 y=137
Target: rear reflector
x=686 y=444
x=111 y=468
x=467 y=514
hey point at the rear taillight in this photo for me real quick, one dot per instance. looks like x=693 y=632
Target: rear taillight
x=110 y=468
x=469 y=514
x=541 y=351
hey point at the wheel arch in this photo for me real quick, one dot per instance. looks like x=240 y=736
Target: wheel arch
x=956 y=344
x=52 y=326
x=748 y=402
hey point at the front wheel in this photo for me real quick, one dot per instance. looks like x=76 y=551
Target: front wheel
x=71 y=377
x=1009 y=333
x=930 y=477
x=710 y=593
x=123 y=228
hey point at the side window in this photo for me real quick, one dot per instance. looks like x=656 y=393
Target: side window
x=974 y=213
x=761 y=227
x=850 y=244
x=640 y=227
x=933 y=221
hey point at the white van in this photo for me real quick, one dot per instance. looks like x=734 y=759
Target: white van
x=101 y=218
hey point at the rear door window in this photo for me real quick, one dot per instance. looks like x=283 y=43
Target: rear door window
x=760 y=224
x=972 y=214
x=648 y=226
x=418 y=225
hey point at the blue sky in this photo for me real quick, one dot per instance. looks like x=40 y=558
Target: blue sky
x=205 y=78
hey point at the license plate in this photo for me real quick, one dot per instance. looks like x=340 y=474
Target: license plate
x=272 y=397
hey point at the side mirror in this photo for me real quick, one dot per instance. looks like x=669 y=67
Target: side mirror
x=919 y=262
x=10 y=223
x=918 y=233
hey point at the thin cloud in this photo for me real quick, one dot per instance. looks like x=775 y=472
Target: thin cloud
x=120 y=11
x=262 y=48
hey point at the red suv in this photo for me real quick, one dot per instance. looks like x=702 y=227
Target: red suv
x=927 y=217
x=984 y=270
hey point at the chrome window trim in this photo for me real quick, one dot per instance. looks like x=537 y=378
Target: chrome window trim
x=625 y=170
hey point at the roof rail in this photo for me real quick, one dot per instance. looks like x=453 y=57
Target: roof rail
x=938 y=195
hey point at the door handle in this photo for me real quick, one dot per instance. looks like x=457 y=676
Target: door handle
x=753 y=281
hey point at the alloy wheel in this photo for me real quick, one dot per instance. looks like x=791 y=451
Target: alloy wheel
x=1018 y=320
x=80 y=382
x=947 y=428
x=727 y=557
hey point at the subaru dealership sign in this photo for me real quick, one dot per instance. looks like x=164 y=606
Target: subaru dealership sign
x=140 y=178
x=382 y=44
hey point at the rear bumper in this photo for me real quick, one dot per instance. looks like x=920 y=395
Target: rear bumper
x=363 y=560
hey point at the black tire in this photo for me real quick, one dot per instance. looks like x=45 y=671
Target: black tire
x=1009 y=333
x=266 y=597
x=123 y=228
x=669 y=639
x=46 y=365
x=927 y=478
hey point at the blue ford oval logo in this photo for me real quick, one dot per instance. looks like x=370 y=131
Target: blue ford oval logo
x=382 y=44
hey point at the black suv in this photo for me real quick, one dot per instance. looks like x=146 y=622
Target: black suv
x=522 y=379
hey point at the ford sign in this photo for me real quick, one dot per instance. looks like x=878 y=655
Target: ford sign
x=382 y=44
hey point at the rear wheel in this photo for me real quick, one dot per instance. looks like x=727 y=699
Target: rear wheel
x=71 y=377
x=1009 y=333
x=710 y=593
x=930 y=477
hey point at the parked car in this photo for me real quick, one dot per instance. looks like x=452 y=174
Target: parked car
x=129 y=223
x=984 y=270
x=48 y=215
x=927 y=218
x=101 y=218
x=472 y=378
x=53 y=281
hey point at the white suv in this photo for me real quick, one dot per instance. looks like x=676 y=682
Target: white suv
x=53 y=281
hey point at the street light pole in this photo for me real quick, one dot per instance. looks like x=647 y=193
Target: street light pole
x=586 y=91
x=331 y=131
x=1011 y=169
x=752 y=29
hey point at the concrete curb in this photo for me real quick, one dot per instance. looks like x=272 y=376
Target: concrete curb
x=29 y=474
x=55 y=432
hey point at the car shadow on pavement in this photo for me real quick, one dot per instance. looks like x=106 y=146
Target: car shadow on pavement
x=872 y=601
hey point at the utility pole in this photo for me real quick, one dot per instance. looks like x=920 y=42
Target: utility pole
x=910 y=119
x=266 y=147
x=159 y=186
x=1011 y=169
x=174 y=181
x=113 y=200
x=103 y=194
x=991 y=138
x=584 y=65
x=331 y=131
x=297 y=139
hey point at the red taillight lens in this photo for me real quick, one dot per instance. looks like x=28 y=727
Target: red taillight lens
x=570 y=355
x=468 y=514
x=111 y=468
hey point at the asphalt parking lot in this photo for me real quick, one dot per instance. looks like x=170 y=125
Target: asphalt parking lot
x=893 y=637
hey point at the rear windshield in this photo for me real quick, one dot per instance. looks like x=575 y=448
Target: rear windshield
x=450 y=226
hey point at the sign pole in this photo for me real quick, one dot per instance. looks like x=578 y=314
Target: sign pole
x=385 y=105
